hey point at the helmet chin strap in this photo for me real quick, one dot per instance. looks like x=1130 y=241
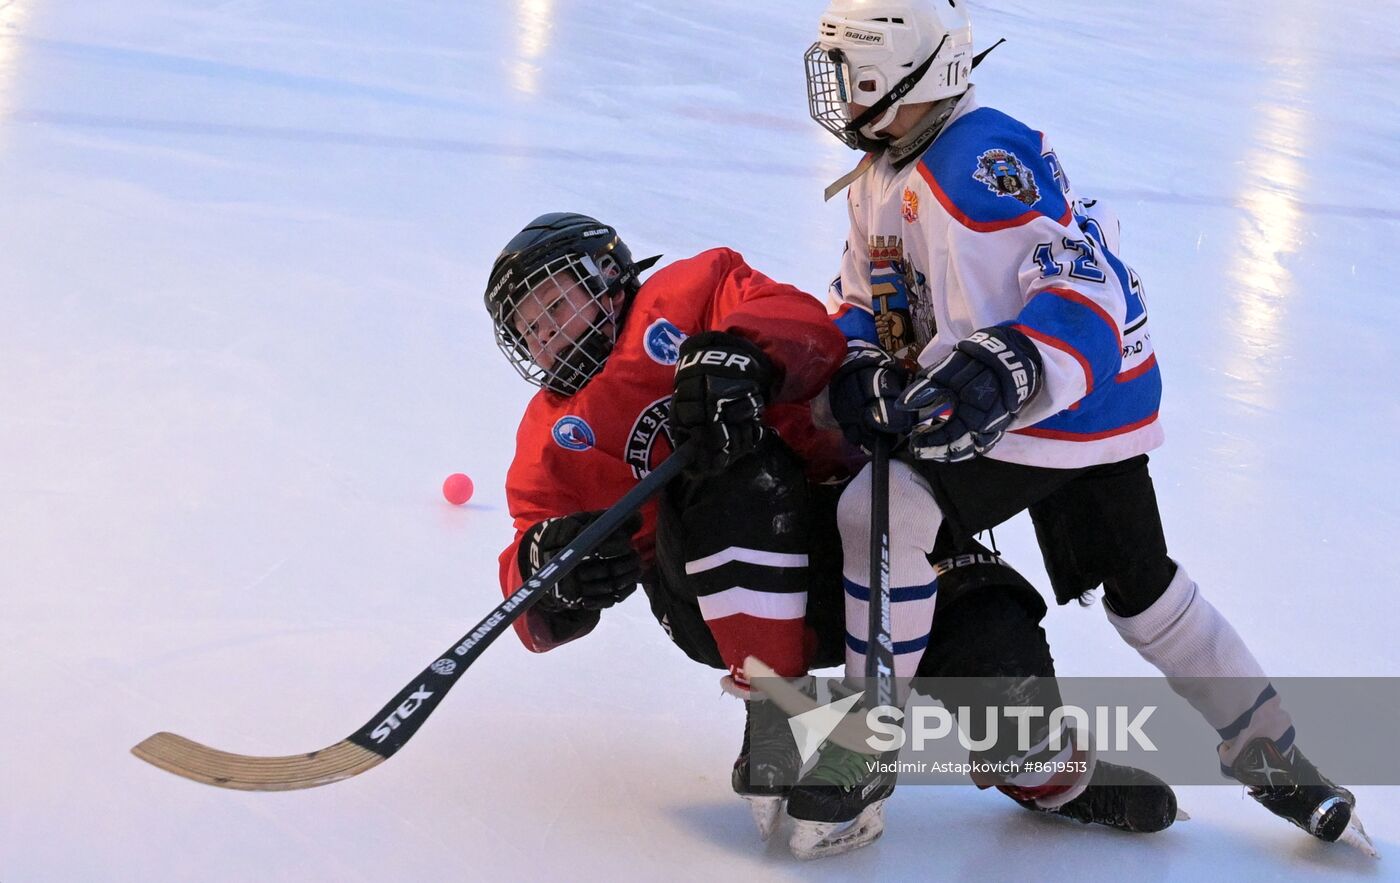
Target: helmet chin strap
x=884 y=109
x=872 y=130
x=863 y=125
x=875 y=145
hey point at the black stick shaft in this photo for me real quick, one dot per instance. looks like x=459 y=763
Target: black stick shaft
x=396 y=722
x=879 y=649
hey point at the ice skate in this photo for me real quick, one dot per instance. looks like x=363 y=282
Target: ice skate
x=1121 y=797
x=1288 y=785
x=767 y=765
x=840 y=804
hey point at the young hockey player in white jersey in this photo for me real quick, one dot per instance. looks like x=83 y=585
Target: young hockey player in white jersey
x=994 y=331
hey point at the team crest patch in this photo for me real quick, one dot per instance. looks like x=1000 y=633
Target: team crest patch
x=1005 y=175
x=650 y=425
x=663 y=342
x=897 y=297
x=573 y=433
x=910 y=208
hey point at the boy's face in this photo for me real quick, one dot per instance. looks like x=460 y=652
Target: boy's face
x=555 y=315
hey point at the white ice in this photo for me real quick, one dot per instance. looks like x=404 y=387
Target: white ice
x=242 y=250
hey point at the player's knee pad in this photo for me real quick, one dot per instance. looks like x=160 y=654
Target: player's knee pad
x=993 y=631
x=915 y=518
x=853 y=510
x=770 y=480
x=757 y=513
x=964 y=568
x=1177 y=610
x=744 y=532
x=987 y=619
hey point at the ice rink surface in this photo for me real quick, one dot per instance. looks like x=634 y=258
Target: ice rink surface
x=242 y=250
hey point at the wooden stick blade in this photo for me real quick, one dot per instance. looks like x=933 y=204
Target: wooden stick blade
x=242 y=772
x=852 y=733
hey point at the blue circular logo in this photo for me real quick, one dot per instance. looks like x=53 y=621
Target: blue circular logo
x=573 y=434
x=663 y=342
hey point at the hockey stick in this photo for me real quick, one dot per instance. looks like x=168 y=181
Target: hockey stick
x=879 y=646
x=395 y=723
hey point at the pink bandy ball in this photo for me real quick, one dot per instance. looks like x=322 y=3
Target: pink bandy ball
x=457 y=489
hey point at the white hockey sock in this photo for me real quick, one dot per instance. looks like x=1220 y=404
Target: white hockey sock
x=914 y=522
x=1207 y=663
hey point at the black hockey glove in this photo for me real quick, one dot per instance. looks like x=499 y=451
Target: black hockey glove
x=722 y=383
x=965 y=402
x=600 y=580
x=864 y=392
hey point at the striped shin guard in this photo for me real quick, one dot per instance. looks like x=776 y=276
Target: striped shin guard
x=914 y=523
x=755 y=603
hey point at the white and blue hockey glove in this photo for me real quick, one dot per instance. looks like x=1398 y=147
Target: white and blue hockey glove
x=964 y=403
x=864 y=393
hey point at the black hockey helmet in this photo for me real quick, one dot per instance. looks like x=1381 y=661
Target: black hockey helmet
x=557 y=294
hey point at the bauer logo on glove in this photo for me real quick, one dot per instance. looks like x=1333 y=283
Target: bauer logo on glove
x=965 y=402
x=722 y=384
x=601 y=579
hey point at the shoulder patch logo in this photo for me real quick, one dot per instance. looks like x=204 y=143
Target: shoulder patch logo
x=910 y=206
x=1005 y=175
x=663 y=342
x=573 y=433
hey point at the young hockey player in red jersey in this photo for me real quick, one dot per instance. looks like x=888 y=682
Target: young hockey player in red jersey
x=733 y=559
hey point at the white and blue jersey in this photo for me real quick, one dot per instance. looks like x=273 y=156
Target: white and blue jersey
x=984 y=229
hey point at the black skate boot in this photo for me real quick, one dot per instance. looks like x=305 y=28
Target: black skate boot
x=1288 y=785
x=1121 y=797
x=767 y=765
x=840 y=804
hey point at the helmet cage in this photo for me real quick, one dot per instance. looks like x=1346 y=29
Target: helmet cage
x=573 y=298
x=829 y=93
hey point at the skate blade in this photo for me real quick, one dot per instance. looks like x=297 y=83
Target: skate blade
x=766 y=811
x=1355 y=836
x=813 y=840
x=1182 y=815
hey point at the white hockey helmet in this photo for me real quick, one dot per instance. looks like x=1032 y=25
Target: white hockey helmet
x=883 y=54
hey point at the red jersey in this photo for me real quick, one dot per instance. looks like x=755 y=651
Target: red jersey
x=583 y=452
